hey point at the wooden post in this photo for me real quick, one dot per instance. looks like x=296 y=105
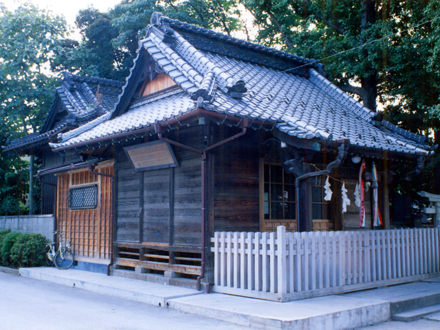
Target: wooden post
x=171 y=202
x=282 y=256
x=386 y=200
x=305 y=221
x=337 y=216
x=141 y=207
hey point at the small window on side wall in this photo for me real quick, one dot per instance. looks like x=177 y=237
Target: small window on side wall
x=83 y=197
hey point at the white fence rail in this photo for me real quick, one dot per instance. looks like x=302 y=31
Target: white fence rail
x=288 y=266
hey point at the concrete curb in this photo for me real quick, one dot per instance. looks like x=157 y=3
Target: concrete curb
x=344 y=314
x=9 y=270
x=94 y=285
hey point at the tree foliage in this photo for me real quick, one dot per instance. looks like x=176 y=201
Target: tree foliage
x=384 y=52
x=29 y=39
x=110 y=40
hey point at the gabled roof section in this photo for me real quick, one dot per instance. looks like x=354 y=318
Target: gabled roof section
x=83 y=98
x=240 y=49
x=303 y=103
x=77 y=101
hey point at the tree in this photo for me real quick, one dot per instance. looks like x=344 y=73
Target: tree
x=95 y=55
x=110 y=40
x=383 y=52
x=29 y=40
x=321 y=29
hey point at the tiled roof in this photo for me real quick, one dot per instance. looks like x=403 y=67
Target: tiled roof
x=85 y=98
x=305 y=106
x=82 y=100
x=142 y=115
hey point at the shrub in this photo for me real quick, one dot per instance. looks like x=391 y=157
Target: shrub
x=3 y=234
x=29 y=251
x=8 y=243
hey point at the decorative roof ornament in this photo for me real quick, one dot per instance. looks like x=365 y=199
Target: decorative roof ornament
x=237 y=90
x=205 y=95
x=168 y=32
x=156 y=18
x=207 y=88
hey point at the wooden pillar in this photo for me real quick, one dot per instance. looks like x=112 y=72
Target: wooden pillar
x=141 y=207
x=386 y=201
x=305 y=215
x=337 y=216
x=115 y=213
x=171 y=201
x=209 y=218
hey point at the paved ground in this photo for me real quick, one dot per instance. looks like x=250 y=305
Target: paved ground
x=28 y=304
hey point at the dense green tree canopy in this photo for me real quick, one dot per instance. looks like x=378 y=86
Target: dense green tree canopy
x=110 y=40
x=29 y=40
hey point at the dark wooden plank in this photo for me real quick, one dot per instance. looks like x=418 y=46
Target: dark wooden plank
x=162 y=247
x=185 y=269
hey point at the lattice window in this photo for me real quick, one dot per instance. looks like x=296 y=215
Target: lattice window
x=279 y=193
x=83 y=197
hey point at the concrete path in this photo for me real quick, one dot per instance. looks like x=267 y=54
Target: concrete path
x=29 y=304
x=141 y=291
x=348 y=311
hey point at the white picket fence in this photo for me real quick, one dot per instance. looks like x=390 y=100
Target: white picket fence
x=288 y=266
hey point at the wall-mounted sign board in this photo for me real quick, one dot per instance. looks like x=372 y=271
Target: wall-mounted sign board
x=151 y=156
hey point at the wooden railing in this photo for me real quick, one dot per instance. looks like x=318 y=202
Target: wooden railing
x=288 y=266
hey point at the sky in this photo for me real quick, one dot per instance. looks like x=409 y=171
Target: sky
x=67 y=8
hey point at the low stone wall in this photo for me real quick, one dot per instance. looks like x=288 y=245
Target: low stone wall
x=41 y=224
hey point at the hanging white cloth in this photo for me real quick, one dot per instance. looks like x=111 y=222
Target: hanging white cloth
x=327 y=190
x=345 y=200
x=357 y=195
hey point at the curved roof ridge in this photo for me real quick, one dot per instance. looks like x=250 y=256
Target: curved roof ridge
x=412 y=136
x=77 y=131
x=177 y=61
x=361 y=110
x=199 y=61
x=236 y=41
x=92 y=79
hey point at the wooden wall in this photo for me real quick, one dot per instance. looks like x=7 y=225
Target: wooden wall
x=127 y=201
x=88 y=230
x=48 y=197
x=160 y=82
x=161 y=206
x=236 y=185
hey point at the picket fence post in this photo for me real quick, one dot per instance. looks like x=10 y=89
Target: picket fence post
x=282 y=256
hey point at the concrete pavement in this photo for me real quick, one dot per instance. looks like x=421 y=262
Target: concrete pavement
x=29 y=304
x=345 y=311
